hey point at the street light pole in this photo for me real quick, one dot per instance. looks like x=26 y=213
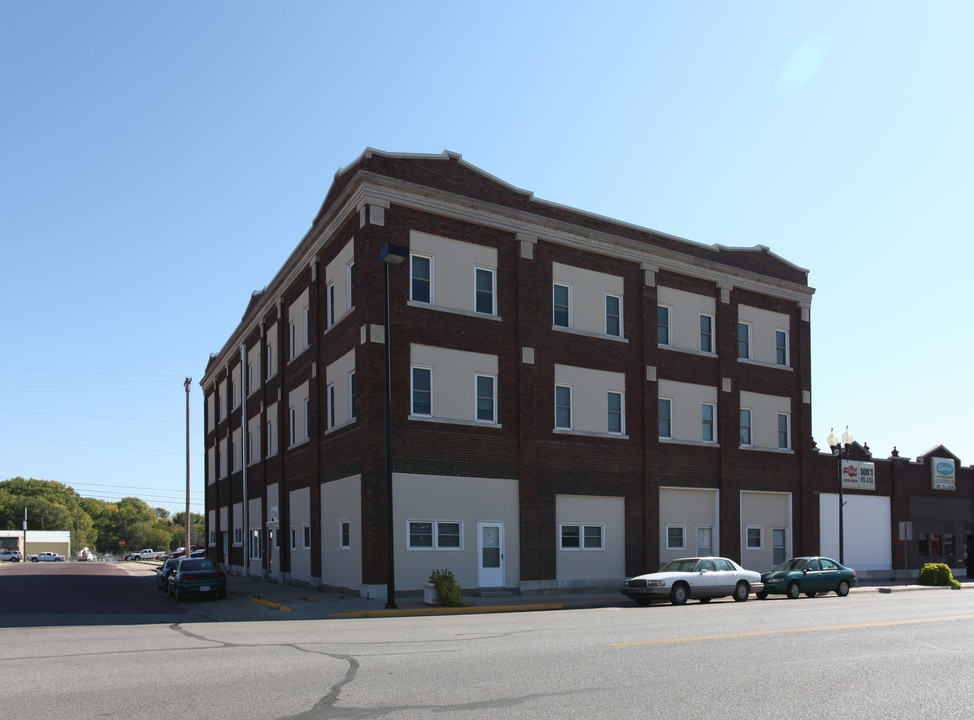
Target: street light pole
x=188 y=545
x=390 y=255
x=840 y=450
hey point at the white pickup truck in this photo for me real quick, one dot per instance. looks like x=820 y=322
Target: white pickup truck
x=47 y=557
x=148 y=554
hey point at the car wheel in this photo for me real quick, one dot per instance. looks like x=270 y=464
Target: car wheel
x=679 y=594
x=704 y=600
x=794 y=590
x=811 y=594
x=843 y=588
x=741 y=592
x=761 y=595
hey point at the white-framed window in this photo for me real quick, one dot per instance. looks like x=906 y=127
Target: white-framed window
x=580 y=536
x=306 y=536
x=344 y=534
x=706 y=333
x=784 y=431
x=781 y=347
x=235 y=451
x=434 y=535
x=486 y=388
x=255 y=544
x=222 y=395
x=292 y=426
x=708 y=432
x=664 y=320
x=294 y=538
x=271 y=433
x=561 y=302
x=307 y=419
x=666 y=418
x=330 y=393
x=744 y=340
x=747 y=439
x=238 y=536
x=422 y=391
x=271 y=351
x=676 y=537
x=250 y=448
x=705 y=540
x=421 y=278
x=330 y=310
x=307 y=326
x=350 y=276
x=485 y=290
x=616 y=414
x=212 y=542
x=755 y=537
x=563 y=407
x=221 y=458
x=293 y=335
x=613 y=315
x=352 y=396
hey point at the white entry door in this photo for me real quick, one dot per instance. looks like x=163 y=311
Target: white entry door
x=490 y=553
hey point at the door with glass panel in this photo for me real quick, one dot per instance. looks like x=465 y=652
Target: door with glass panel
x=490 y=553
x=705 y=540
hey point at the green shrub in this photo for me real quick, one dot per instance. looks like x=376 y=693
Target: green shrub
x=448 y=590
x=937 y=574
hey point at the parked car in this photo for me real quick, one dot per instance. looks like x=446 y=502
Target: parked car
x=197 y=576
x=164 y=571
x=700 y=578
x=47 y=557
x=809 y=575
x=11 y=555
x=148 y=554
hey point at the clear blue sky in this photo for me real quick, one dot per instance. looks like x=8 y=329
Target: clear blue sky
x=161 y=160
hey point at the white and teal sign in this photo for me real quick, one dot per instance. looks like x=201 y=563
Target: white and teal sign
x=858 y=475
x=942 y=474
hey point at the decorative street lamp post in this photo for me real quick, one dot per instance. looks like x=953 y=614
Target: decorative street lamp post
x=390 y=255
x=841 y=451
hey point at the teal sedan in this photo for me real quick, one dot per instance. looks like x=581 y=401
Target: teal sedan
x=809 y=575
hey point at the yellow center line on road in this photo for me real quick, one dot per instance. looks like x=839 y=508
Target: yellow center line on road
x=787 y=631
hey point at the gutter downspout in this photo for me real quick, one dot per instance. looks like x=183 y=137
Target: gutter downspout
x=244 y=456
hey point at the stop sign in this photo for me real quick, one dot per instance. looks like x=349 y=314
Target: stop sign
x=121 y=543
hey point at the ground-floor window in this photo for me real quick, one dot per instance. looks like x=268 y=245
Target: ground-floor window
x=675 y=537
x=582 y=537
x=435 y=535
x=755 y=539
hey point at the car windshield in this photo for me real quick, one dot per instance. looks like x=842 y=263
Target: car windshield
x=793 y=564
x=197 y=565
x=684 y=565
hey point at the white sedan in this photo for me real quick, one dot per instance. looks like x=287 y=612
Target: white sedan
x=700 y=578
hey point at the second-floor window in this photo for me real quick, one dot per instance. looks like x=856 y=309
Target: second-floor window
x=486 y=398
x=563 y=407
x=665 y=418
x=781 y=347
x=746 y=427
x=422 y=391
x=784 y=431
x=707 y=423
x=616 y=418
x=744 y=341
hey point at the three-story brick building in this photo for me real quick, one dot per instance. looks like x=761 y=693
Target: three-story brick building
x=574 y=399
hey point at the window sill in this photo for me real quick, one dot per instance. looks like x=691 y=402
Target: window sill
x=454 y=421
x=758 y=363
x=590 y=433
x=688 y=351
x=586 y=333
x=453 y=311
x=695 y=443
x=780 y=451
x=336 y=428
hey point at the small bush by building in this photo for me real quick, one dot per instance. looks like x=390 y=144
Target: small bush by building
x=938 y=574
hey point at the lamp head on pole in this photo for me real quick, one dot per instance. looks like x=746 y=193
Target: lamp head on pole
x=394 y=254
x=847 y=437
x=832 y=440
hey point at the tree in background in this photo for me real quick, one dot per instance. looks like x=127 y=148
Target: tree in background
x=93 y=523
x=197 y=529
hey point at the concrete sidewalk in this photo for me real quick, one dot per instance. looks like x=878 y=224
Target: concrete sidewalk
x=336 y=604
